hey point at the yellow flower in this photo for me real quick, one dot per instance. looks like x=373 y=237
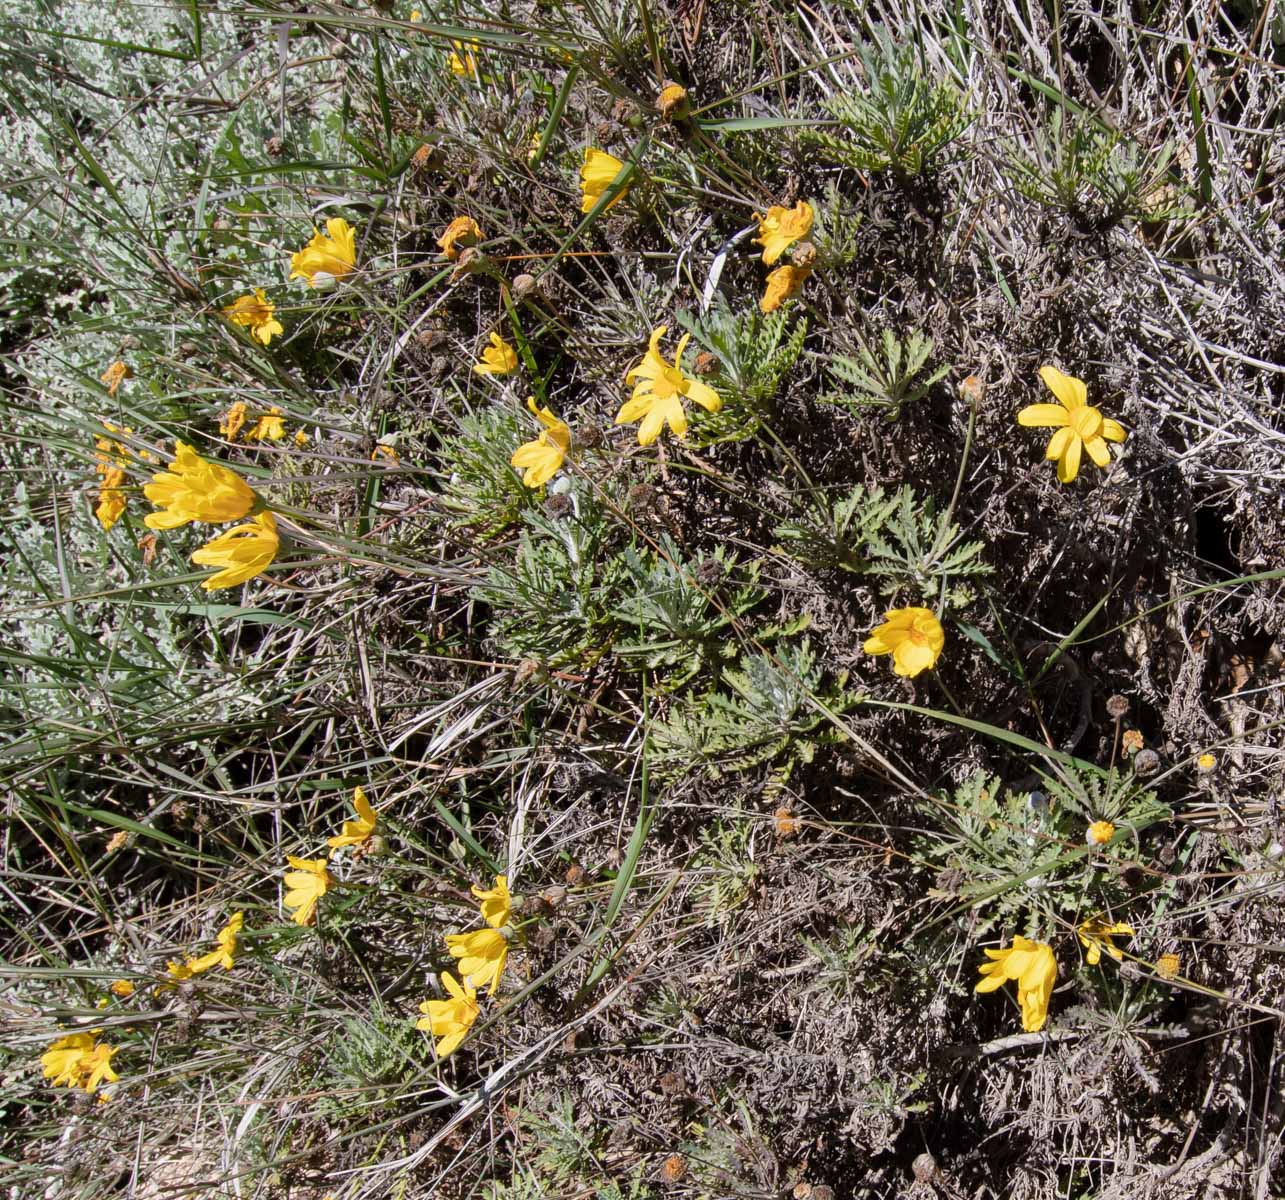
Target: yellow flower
x=356 y=832
x=268 y=428
x=383 y=451
x=499 y=358
x=783 y=284
x=1099 y=833
x=231 y=421
x=222 y=955
x=1095 y=936
x=111 y=500
x=112 y=453
x=305 y=885
x=1080 y=426
x=495 y=902
x=328 y=257
x=256 y=312
x=596 y=175
x=300 y=438
x=913 y=636
x=124 y=988
x=463 y=59
x=79 y=1060
x=481 y=954
x=672 y=102
x=781 y=228
x=1206 y=762
x=659 y=391
x=449 y=1020
x=463 y=231
x=1033 y=966
x=542 y=459
x=196 y=490
x=115 y=375
x=1131 y=740
x=1167 y=966
x=241 y=552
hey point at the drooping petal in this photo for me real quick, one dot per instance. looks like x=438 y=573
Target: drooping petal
x=1068 y=466
x=1071 y=392
x=1098 y=451
x=1113 y=431
x=1058 y=443
x=704 y=395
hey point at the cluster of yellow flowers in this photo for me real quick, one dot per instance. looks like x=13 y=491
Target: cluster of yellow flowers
x=481 y=955
x=79 y=1060
x=223 y=955
x=267 y=427
x=112 y=456
x=309 y=878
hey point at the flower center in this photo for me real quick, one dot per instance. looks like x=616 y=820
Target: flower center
x=1087 y=422
x=668 y=383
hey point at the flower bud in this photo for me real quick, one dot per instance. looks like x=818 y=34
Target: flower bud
x=672 y=101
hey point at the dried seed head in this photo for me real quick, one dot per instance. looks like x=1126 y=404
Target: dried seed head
x=674 y=1168
x=1131 y=740
x=558 y=505
x=575 y=875
x=523 y=286
x=641 y=497
x=1117 y=706
x=528 y=668
x=804 y=255
x=785 y=822
x=707 y=363
x=972 y=389
x=591 y=437
x=274 y=147
x=924 y=1168
x=1146 y=762
x=625 y=111
x=710 y=573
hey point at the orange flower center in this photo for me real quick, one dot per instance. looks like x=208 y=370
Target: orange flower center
x=1087 y=422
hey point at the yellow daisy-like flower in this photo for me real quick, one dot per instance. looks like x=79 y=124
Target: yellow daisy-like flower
x=596 y=175
x=1079 y=425
x=496 y=902
x=257 y=313
x=97 y=1067
x=79 y=1060
x=481 y=954
x=230 y=422
x=499 y=358
x=355 y=833
x=1095 y=936
x=270 y=427
x=1206 y=762
x=781 y=228
x=461 y=232
x=913 y=636
x=194 y=489
x=223 y=955
x=449 y=1020
x=1167 y=966
x=115 y=375
x=329 y=257
x=111 y=500
x=540 y=460
x=1099 y=833
x=463 y=59
x=659 y=390
x=305 y=885
x=1034 y=968
x=386 y=452
x=123 y=988
x=241 y=552
x=783 y=284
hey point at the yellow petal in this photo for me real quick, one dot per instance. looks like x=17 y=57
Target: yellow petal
x=1068 y=466
x=1071 y=392
x=1098 y=451
x=1113 y=431
x=1058 y=443
x=1042 y=415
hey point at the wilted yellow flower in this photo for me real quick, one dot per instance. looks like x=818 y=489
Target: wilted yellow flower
x=463 y=231
x=231 y=421
x=1095 y=936
x=1167 y=966
x=1206 y=762
x=115 y=375
x=124 y=988
x=257 y=313
x=79 y=1060
x=387 y=452
x=499 y=358
x=241 y=552
x=1099 y=833
x=659 y=390
x=1033 y=966
x=328 y=257
x=354 y=833
x=672 y=102
x=1131 y=740
x=194 y=489
x=111 y=500
x=449 y=1020
x=300 y=438
x=481 y=954
x=783 y=284
x=781 y=228
x=1080 y=426
x=463 y=59
x=223 y=955
x=596 y=175
x=305 y=885
x=270 y=427
x=495 y=902
x=913 y=636
x=542 y=459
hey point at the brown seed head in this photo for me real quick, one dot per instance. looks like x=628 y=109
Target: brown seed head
x=674 y=1168
x=1146 y=762
x=804 y=255
x=1117 y=706
x=707 y=363
x=972 y=389
x=523 y=286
